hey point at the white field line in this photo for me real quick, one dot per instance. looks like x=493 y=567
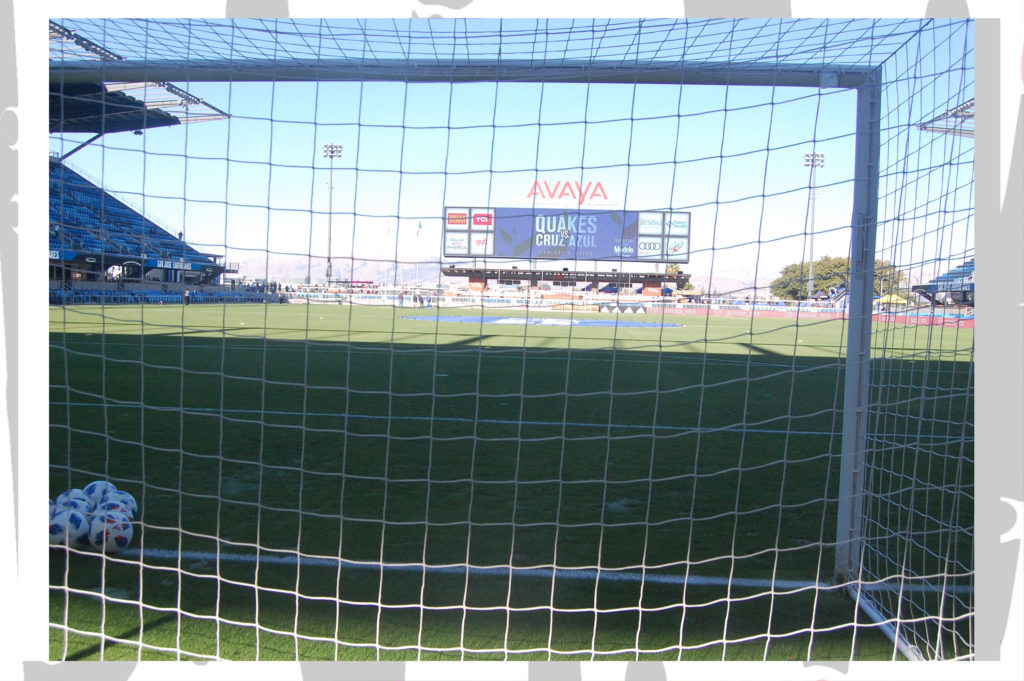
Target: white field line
x=583 y=574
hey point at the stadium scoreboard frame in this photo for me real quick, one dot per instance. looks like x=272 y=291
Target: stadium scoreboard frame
x=566 y=234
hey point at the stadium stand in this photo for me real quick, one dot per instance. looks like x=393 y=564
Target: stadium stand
x=91 y=231
x=955 y=287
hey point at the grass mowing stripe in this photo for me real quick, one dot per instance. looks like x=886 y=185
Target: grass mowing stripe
x=303 y=346
x=500 y=422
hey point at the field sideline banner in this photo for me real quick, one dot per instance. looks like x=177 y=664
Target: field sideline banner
x=567 y=234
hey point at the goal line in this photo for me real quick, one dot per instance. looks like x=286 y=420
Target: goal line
x=652 y=575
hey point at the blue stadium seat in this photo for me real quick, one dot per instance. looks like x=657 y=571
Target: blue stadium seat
x=91 y=219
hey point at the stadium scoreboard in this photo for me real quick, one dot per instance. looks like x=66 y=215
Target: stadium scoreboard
x=567 y=234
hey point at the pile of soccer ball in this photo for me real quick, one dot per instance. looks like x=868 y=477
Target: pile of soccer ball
x=97 y=516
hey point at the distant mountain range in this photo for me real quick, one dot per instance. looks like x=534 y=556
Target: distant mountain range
x=295 y=269
x=733 y=285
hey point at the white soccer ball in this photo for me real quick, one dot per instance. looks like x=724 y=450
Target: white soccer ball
x=111 y=505
x=126 y=499
x=69 y=528
x=74 y=494
x=97 y=489
x=83 y=506
x=110 y=532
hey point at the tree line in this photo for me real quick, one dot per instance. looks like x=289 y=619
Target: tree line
x=831 y=272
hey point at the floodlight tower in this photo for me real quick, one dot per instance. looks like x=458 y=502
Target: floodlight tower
x=814 y=160
x=331 y=151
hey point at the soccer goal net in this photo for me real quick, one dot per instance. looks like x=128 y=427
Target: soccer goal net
x=435 y=339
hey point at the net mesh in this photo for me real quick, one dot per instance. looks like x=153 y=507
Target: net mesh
x=345 y=444
x=919 y=496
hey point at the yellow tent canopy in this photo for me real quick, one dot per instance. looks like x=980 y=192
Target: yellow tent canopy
x=892 y=299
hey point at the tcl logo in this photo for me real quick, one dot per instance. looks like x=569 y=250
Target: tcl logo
x=457 y=218
x=483 y=219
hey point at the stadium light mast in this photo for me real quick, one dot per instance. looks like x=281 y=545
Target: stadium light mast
x=814 y=160
x=331 y=151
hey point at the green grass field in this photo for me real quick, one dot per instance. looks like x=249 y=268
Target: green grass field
x=265 y=443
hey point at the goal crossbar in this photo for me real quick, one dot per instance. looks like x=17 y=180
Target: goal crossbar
x=467 y=71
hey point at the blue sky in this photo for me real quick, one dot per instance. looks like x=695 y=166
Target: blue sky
x=255 y=187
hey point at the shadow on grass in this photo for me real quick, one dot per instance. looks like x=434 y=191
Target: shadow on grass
x=102 y=648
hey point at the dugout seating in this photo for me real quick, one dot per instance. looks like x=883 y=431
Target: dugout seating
x=101 y=296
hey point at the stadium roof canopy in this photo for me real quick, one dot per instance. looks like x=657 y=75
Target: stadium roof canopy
x=98 y=105
x=957 y=121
